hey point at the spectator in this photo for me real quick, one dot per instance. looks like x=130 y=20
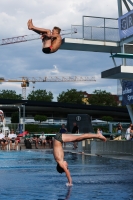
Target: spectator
x=75 y=130
x=35 y=140
x=131 y=132
x=63 y=129
x=1 y=115
x=119 y=129
x=12 y=138
x=49 y=141
x=27 y=141
x=3 y=140
x=128 y=132
x=99 y=129
x=42 y=139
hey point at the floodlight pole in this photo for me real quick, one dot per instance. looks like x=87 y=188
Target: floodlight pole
x=19 y=108
x=23 y=117
x=120 y=13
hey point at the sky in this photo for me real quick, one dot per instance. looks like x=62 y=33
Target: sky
x=27 y=60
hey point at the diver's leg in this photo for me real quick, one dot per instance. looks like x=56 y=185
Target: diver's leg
x=77 y=138
x=37 y=29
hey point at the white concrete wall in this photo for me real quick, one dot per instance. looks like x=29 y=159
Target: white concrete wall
x=111 y=147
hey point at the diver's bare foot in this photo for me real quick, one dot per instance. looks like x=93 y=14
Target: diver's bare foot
x=100 y=136
x=30 y=24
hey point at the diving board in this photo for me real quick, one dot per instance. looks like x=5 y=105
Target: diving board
x=90 y=45
x=122 y=55
x=119 y=72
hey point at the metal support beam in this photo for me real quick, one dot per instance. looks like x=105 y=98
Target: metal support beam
x=127 y=6
x=119 y=7
x=130 y=2
x=113 y=60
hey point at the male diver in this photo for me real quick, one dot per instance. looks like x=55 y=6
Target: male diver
x=51 y=39
x=58 y=152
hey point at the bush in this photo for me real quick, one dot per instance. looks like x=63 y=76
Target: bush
x=38 y=128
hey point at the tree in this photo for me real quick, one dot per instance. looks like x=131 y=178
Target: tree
x=10 y=94
x=71 y=96
x=107 y=118
x=40 y=95
x=40 y=118
x=15 y=117
x=102 y=98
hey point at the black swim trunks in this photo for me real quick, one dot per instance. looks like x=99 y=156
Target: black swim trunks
x=58 y=137
x=46 y=50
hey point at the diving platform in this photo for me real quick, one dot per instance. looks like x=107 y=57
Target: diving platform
x=119 y=72
x=90 y=45
x=122 y=55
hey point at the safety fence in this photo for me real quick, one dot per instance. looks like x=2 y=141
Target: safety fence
x=97 y=28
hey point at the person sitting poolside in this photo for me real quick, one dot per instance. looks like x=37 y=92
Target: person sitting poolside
x=42 y=139
x=12 y=138
x=28 y=141
x=51 y=39
x=119 y=128
x=35 y=141
x=49 y=140
x=62 y=165
x=3 y=140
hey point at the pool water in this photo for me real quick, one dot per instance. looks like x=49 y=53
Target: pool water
x=31 y=175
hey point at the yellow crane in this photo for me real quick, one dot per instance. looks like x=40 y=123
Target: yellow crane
x=26 y=80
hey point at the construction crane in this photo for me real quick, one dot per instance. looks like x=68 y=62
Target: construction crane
x=25 y=38
x=26 y=80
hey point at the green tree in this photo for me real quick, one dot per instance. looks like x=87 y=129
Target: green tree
x=15 y=117
x=40 y=95
x=107 y=118
x=40 y=118
x=9 y=94
x=71 y=96
x=102 y=98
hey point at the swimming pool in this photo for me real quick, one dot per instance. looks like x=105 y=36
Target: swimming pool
x=31 y=175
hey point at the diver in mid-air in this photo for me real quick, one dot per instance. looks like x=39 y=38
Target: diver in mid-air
x=51 y=39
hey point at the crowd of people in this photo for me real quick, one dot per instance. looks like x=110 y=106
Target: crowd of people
x=36 y=139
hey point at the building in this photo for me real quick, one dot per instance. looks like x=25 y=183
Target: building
x=57 y=110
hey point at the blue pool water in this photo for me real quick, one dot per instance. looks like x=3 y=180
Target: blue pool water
x=31 y=175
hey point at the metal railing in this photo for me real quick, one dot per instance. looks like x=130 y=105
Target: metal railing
x=97 y=28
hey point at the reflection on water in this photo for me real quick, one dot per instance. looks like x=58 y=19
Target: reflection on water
x=32 y=175
x=67 y=194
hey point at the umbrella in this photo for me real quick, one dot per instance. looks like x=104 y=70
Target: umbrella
x=23 y=134
x=98 y=121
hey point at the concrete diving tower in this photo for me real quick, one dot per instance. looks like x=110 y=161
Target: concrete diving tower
x=90 y=45
x=119 y=72
x=96 y=34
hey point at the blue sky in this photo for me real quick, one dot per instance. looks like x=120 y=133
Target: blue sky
x=27 y=59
